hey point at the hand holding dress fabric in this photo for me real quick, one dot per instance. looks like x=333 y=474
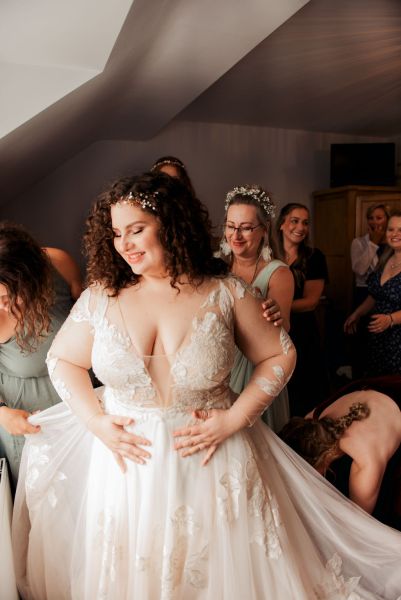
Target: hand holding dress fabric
x=15 y=421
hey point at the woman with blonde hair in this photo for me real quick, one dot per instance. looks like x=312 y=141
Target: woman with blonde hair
x=383 y=304
x=249 y=247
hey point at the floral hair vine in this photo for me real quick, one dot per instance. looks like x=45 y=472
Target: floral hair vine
x=144 y=200
x=256 y=194
x=168 y=161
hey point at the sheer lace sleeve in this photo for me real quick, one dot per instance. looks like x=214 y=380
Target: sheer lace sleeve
x=69 y=357
x=270 y=349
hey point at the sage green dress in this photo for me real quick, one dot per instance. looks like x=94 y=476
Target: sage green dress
x=278 y=413
x=24 y=380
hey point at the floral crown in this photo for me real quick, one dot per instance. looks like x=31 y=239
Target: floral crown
x=254 y=192
x=144 y=200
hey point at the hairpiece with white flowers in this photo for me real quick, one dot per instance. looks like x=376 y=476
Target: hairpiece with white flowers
x=256 y=193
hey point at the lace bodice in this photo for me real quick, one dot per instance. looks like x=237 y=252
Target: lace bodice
x=195 y=376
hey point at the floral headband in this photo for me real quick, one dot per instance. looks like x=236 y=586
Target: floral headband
x=254 y=192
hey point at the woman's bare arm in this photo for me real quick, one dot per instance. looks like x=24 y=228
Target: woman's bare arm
x=68 y=269
x=364 y=482
x=281 y=288
x=313 y=289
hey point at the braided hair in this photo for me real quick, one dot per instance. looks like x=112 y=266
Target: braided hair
x=317 y=440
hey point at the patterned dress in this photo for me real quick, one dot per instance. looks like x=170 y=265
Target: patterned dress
x=384 y=351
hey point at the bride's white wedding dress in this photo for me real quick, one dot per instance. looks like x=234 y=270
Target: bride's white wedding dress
x=256 y=523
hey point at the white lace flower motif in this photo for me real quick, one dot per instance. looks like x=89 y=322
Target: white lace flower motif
x=334 y=586
x=228 y=504
x=285 y=341
x=272 y=387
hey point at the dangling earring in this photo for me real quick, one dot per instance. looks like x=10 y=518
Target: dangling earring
x=224 y=249
x=266 y=253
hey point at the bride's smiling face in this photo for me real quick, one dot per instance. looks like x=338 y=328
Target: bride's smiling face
x=136 y=239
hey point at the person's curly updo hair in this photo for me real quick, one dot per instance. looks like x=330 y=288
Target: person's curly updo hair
x=317 y=440
x=184 y=232
x=25 y=271
x=178 y=165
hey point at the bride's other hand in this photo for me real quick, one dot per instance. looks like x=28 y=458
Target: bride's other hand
x=110 y=429
x=215 y=426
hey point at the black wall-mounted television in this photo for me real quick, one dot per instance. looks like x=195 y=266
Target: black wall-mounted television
x=362 y=164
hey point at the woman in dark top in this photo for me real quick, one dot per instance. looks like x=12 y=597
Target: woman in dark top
x=384 y=301
x=309 y=269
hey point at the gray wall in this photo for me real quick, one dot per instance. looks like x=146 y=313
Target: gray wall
x=291 y=164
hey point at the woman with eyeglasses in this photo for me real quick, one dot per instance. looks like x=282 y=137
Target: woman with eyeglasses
x=250 y=249
x=309 y=268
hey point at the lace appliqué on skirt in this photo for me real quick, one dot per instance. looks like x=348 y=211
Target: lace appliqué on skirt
x=262 y=508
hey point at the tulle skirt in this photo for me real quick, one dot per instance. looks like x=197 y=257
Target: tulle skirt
x=256 y=523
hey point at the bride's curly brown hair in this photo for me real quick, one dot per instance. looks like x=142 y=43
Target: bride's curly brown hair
x=184 y=233
x=317 y=440
x=25 y=271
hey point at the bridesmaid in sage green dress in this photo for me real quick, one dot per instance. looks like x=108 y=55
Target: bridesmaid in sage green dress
x=249 y=245
x=36 y=289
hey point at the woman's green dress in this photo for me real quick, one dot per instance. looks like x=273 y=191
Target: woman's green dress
x=24 y=380
x=278 y=414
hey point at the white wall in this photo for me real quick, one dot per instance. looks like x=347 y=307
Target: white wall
x=291 y=164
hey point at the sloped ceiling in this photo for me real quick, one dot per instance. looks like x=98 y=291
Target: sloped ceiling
x=167 y=54
x=335 y=66
x=323 y=65
x=50 y=48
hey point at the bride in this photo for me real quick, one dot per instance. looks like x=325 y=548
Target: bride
x=159 y=485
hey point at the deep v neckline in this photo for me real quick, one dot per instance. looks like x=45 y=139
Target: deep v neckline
x=169 y=355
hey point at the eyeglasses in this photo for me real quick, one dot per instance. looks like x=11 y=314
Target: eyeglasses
x=242 y=229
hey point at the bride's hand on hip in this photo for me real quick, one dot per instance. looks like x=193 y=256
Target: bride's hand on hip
x=214 y=427
x=110 y=430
